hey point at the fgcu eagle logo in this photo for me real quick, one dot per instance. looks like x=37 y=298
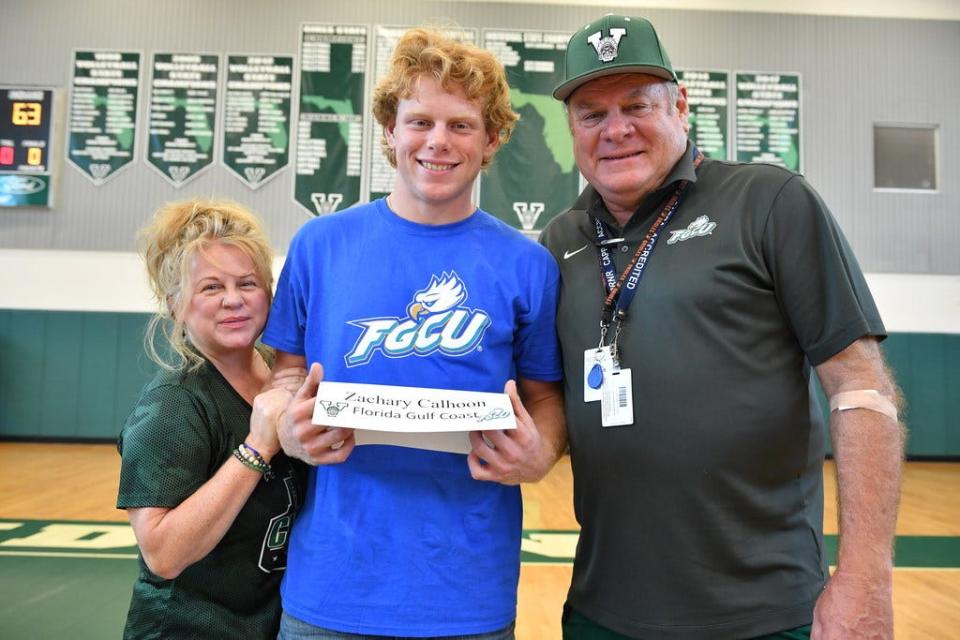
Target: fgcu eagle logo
x=435 y=321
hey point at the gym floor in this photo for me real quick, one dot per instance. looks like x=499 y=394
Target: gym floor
x=68 y=558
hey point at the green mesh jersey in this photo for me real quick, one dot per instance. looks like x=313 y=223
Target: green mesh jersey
x=183 y=428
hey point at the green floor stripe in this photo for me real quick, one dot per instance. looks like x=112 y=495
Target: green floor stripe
x=47 y=598
x=925 y=552
x=74 y=579
x=39 y=538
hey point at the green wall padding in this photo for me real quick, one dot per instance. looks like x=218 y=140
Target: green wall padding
x=70 y=374
x=77 y=375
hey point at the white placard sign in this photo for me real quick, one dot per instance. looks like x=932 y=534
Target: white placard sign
x=436 y=419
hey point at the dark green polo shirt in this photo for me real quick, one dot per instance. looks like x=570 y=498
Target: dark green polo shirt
x=703 y=519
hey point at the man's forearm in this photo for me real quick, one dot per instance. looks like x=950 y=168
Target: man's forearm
x=868 y=450
x=544 y=402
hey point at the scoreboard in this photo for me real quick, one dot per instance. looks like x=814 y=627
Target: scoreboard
x=26 y=137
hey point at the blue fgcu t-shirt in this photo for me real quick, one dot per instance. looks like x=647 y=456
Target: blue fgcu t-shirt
x=400 y=541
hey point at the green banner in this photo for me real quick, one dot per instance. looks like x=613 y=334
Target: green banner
x=26 y=139
x=768 y=119
x=709 y=100
x=103 y=112
x=183 y=114
x=333 y=60
x=256 y=125
x=380 y=175
x=534 y=177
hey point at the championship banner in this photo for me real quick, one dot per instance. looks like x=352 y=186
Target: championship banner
x=330 y=121
x=380 y=174
x=534 y=177
x=768 y=119
x=256 y=123
x=436 y=419
x=26 y=141
x=103 y=112
x=183 y=113
x=709 y=102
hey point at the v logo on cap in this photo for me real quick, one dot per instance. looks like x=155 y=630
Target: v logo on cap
x=607 y=47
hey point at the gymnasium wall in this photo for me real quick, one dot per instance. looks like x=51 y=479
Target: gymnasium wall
x=72 y=298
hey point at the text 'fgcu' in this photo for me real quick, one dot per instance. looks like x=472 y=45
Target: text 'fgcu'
x=435 y=320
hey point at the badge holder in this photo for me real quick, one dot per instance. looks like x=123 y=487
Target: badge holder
x=604 y=380
x=616 y=404
x=597 y=366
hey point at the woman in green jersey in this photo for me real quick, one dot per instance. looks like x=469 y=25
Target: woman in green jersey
x=208 y=491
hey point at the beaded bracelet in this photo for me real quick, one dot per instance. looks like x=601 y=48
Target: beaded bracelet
x=252 y=459
x=253 y=456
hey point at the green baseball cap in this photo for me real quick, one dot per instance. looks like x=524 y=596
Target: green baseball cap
x=613 y=44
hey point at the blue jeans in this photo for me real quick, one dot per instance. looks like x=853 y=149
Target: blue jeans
x=295 y=629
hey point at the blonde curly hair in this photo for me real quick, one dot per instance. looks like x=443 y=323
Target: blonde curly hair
x=428 y=52
x=177 y=232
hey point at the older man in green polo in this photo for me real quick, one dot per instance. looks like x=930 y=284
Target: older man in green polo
x=697 y=297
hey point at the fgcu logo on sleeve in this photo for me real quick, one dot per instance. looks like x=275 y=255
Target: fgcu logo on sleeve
x=435 y=321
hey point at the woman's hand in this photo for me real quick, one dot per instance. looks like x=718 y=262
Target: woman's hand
x=269 y=408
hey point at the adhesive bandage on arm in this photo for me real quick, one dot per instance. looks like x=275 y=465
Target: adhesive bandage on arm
x=870 y=399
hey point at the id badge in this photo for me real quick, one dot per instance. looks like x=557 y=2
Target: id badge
x=616 y=404
x=597 y=365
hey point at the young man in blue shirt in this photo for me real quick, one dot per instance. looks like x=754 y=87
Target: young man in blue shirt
x=419 y=289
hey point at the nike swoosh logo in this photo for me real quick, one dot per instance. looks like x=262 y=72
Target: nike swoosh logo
x=569 y=254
